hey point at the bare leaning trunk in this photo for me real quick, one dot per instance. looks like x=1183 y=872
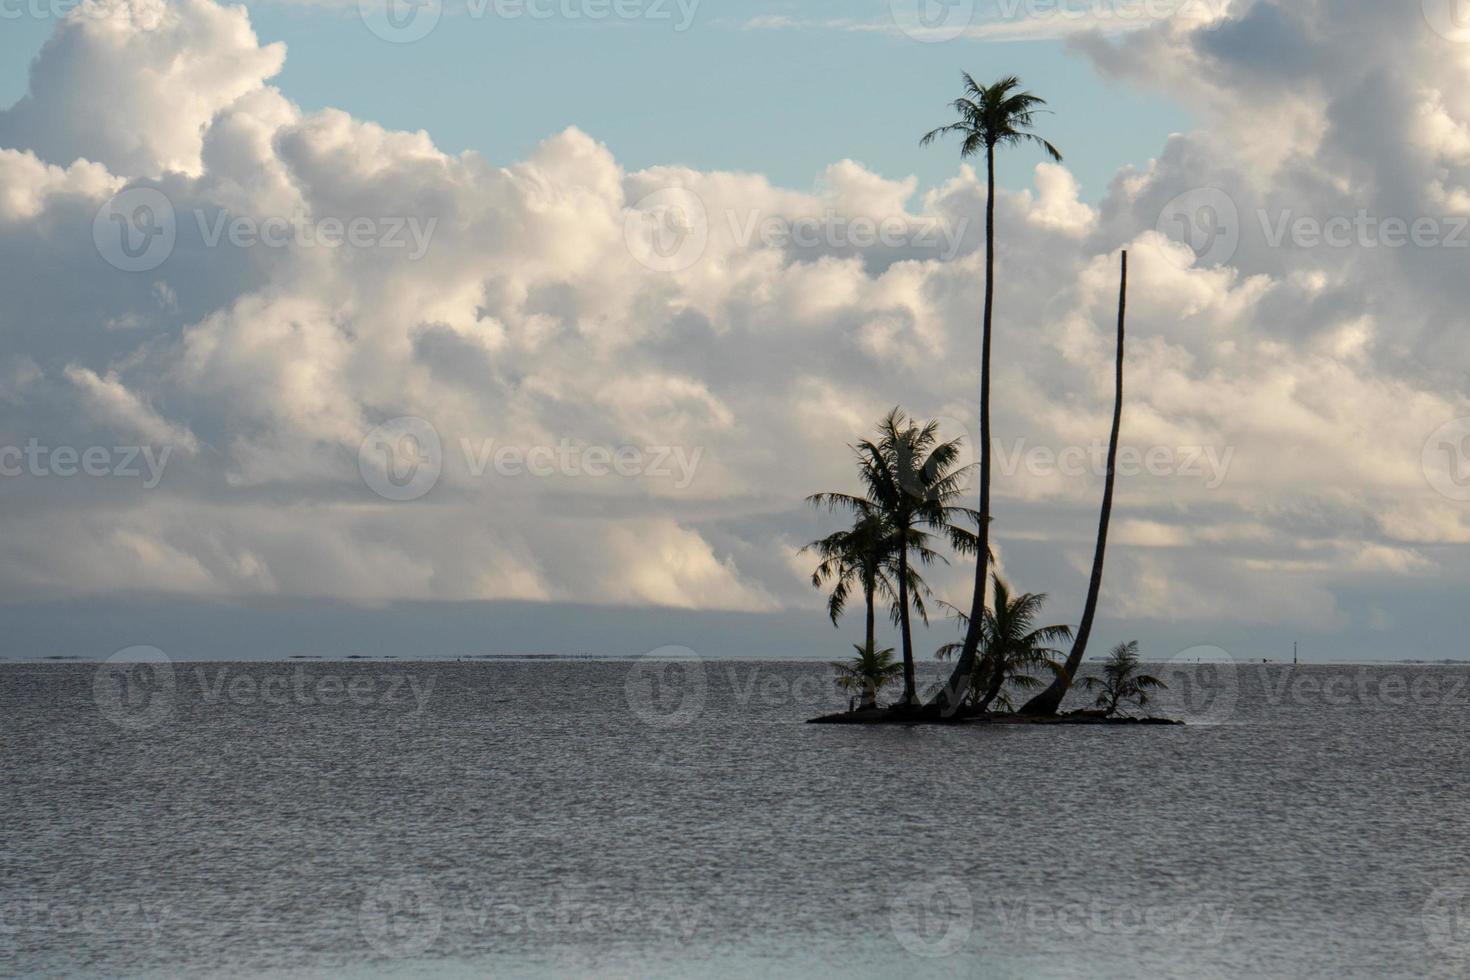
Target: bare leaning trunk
x=952 y=695
x=1050 y=700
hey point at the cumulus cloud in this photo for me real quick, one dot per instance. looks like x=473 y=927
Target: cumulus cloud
x=131 y=84
x=609 y=324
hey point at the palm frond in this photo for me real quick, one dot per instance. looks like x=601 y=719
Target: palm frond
x=999 y=114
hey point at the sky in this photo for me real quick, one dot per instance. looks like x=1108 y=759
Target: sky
x=531 y=333
x=727 y=86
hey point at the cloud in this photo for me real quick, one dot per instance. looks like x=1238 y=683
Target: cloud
x=113 y=404
x=770 y=22
x=568 y=309
x=131 y=84
x=1015 y=20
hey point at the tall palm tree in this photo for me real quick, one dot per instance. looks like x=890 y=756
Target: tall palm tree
x=867 y=673
x=912 y=479
x=1121 y=682
x=1050 y=700
x=990 y=116
x=1012 y=647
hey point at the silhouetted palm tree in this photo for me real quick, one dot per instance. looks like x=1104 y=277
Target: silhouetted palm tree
x=848 y=558
x=990 y=116
x=867 y=673
x=912 y=480
x=1121 y=683
x=858 y=556
x=1012 y=647
x=1050 y=700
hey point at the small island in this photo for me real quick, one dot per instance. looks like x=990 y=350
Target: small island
x=882 y=716
x=908 y=509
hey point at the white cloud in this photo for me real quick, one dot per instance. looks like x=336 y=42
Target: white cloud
x=131 y=84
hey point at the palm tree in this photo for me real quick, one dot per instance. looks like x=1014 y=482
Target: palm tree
x=1012 y=647
x=858 y=556
x=864 y=556
x=990 y=116
x=867 y=673
x=1121 y=682
x=912 y=480
x=1050 y=700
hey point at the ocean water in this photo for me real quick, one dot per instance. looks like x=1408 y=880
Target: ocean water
x=648 y=818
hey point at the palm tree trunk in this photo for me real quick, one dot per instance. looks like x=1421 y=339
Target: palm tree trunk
x=903 y=621
x=869 y=587
x=870 y=693
x=1050 y=700
x=990 y=696
x=952 y=695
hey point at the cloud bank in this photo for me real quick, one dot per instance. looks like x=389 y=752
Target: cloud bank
x=569 y=330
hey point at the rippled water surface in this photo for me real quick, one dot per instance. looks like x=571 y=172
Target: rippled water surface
x=585 y=817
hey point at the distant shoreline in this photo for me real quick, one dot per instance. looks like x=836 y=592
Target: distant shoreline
x=629 y=658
